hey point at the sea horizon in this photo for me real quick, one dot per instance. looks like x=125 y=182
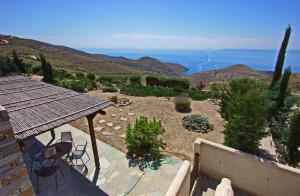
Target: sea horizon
x=209 y=59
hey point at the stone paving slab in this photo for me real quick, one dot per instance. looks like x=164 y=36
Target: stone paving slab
x=115 y=176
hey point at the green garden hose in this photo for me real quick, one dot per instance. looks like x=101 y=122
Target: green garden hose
x=165 y=160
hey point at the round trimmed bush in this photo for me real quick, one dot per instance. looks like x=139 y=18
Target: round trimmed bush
x=182 y=104
x=197 y=123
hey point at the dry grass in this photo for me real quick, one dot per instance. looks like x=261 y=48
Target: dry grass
x=179 y=140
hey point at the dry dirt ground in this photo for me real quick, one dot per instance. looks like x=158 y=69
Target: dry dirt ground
x=178 y=139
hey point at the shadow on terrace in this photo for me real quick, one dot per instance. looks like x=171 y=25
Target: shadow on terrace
x=116 y=175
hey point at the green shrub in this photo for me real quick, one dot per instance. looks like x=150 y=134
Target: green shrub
x=170 y=82
x=135 y=80
x=178 y=89
x=37 y=69
x=60 y=74
x=79 y=75
x=114 y=99
x=196 y=123
x=91 y=76
x=182 y=104
x=143 y=91
x=152 y=80
x=142 y=139
x=298 y=101
x=111 y=89
x=199 y=95
x=90 y=84
x=218 y=89
x=246 y=114
x=112 y=79
x=76 y=85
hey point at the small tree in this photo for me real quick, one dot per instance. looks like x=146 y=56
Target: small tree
x=246 y=111
x=283 y=88
x=18 y=62
x=293 y=142
x=281 y=57
x=47 y=70
x=91 y=76
x=142 y=139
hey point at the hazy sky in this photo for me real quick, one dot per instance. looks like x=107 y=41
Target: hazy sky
x=153 y=24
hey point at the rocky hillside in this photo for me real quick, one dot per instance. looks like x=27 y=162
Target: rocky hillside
x=72 y=60
x=227 y=73
x=149 y=65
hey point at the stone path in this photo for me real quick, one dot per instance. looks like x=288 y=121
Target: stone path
x=110 y=124
x=115 y=176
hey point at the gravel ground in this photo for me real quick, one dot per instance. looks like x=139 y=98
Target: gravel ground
x=179 y=140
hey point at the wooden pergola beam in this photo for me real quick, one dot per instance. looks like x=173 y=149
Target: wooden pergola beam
x=90 y=118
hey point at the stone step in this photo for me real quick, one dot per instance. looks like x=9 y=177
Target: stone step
x=209 y=192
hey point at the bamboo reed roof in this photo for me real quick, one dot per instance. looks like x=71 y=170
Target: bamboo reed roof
x=35 y=107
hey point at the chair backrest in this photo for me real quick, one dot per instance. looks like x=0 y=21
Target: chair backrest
x=66 y=136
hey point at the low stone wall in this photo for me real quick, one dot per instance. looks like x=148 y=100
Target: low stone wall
x=247 y=172
x=181 y=183
x=14 y=179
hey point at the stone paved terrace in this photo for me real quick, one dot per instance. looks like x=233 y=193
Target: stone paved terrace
x=115 y=177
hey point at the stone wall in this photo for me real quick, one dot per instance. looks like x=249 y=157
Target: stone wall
x=181 y=183
x=14 y=179
x=247 y=172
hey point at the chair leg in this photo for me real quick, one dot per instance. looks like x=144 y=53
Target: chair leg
x=83 y=162
x=37 y=184
x=55 y=177
x=31 y=165
x=71 y=164
x=60 y=171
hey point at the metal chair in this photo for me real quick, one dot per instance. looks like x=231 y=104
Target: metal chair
x=36 y=154
x=78 y=153
x=66 y=137
x=47 y=172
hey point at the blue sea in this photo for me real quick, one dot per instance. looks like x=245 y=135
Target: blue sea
x=204 y=60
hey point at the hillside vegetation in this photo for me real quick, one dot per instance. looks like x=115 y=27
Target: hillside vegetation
x=75 y=60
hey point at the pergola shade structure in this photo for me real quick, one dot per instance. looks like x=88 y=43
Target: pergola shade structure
x=35 y=107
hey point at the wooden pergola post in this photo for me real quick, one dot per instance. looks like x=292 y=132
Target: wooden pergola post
x=52 y=133
x=90 y=118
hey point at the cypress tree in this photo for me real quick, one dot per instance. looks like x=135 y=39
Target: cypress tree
x=293 y=142
x=281 y=57
x=18 y=62
x=47 y=70
x=283 y=87
x=50 y=73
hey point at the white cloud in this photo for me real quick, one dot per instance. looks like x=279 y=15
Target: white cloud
x=152 y=41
